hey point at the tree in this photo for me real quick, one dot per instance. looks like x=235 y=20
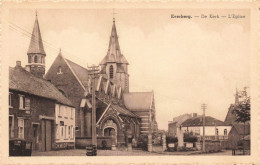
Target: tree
x=242 y=109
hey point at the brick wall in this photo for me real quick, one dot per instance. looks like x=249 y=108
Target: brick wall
x=68 y=84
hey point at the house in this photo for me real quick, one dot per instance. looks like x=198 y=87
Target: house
x=237 y=133
x=32 y=109
x=38 y=111
x=214 y=128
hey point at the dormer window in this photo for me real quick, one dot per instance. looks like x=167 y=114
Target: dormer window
x=111 y=71
x=59 y=70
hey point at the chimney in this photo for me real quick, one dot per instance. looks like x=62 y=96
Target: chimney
x=18 y=64
x=194 y=115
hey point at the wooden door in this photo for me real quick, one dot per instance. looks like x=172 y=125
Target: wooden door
x=48 y=135
x=35 y=137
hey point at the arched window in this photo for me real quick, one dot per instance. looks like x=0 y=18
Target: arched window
x=216 y=131
x=111 y=71
x=35 y=59
x=225 y=132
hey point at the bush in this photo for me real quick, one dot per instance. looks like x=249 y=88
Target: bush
x=143 y=142
x=171 y=139
x=190 y=139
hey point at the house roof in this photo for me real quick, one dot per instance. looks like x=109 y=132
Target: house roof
x=198 y=121
x=81 y=72
x=138 y=101
x=24 y=81
x=242 y=129
x=36 y=45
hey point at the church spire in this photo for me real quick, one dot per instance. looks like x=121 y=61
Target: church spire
x=36 y=45
x=36 y=53
x=114 y=52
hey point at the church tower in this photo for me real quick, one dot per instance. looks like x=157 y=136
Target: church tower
x=36 y=53
x=114 y=65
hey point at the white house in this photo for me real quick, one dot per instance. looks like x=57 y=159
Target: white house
x=65 y=126
x=214 y=128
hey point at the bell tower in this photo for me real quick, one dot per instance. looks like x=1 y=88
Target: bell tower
x=36 y=54
x=114 y=65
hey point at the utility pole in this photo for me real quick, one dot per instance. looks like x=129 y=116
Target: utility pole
x=203 y=107
x=93 y=73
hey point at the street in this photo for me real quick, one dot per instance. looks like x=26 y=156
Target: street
x=157 y=151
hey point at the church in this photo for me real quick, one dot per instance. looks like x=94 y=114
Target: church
x=120 y=114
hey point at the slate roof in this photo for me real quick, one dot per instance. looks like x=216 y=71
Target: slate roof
x=81 y=72
x=138 y=101
x=24 y=81
x=198 y=121
x=36 y=45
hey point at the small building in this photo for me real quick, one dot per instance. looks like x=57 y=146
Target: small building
x=237 y=133
x=214 y=129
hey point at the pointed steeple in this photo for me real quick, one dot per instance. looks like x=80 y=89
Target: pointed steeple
x=36 y=53
x=114 y=52
x=36 y=45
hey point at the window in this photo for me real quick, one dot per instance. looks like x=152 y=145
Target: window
x=111 y=71
x=21 y=128
x=11 y=126
x=69 y=131
x=76 y=128
x=35 y=59
x=21 y=102
x=216 y=131
x=10 y=100
x=57 y=131
x=71 y=113
x=59 y=70
x=72 y=132
x=225 y=132
x=27 y=104
x=61 y=131
x=65 y=131
x=61 y=128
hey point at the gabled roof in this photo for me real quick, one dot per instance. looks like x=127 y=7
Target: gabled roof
x=198 y=121
x=80 y=72
x=138 y=101
x=114 y=52
x=23 y=81
x=36 y=45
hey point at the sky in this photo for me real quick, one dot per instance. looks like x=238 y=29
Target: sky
x=186 y=62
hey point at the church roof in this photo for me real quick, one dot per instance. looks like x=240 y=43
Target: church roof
x=138 y=101
x=24 y=81
x=123 y=110
x=198 y=121
x=114 y=52
x=80 y=72
x=36 y=45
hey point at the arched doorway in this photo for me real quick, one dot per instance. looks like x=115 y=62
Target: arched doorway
x=110 y=129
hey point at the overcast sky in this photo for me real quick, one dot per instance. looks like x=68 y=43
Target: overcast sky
x=184 y=61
